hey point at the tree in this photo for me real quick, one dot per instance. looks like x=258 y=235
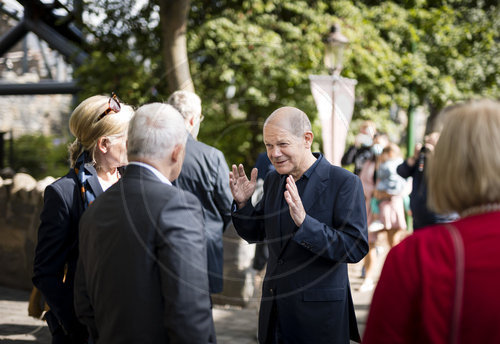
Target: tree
x=125 y=57
x=41 y=156
x=249 y=57
x=457 y=49
x=173 y=20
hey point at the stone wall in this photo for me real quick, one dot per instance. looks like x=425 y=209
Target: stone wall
x=21 y=201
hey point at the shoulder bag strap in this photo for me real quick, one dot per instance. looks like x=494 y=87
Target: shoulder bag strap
x=459 y=282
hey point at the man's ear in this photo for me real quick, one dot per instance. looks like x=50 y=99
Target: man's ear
x=103 y=144
x=177 y=153
x=308 y=139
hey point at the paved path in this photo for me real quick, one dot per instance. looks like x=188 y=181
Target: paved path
x=233 y=325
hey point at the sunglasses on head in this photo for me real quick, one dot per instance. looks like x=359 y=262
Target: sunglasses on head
x=113 y=105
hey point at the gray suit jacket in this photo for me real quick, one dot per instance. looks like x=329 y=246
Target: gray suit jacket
x=142 y=270
x=206 y=175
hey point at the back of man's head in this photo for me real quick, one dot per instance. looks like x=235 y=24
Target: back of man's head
x=187 y=103
x=154 y=131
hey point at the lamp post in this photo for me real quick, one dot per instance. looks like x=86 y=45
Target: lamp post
x=410 y=130
x=334 y=96
x=335 y=44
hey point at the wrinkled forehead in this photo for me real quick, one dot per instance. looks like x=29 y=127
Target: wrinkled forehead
x=278 y=124
x=281 y=130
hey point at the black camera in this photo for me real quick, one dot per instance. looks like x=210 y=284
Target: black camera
x=421 y=158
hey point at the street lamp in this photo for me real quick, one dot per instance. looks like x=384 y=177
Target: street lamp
x=335 y=44
x=334 y=97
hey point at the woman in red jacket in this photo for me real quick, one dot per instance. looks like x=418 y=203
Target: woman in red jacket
x=441 y=284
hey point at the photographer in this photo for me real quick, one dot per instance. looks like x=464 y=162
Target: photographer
x=360 y=151
x=414 y=167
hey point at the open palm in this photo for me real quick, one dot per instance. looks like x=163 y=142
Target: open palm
x=242 y=188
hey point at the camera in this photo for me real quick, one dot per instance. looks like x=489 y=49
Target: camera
x=421 y=158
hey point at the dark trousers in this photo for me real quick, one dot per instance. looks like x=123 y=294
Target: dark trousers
x=275 y=336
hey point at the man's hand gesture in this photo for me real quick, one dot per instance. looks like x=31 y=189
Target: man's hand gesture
x=292 y=197
x=242 y=188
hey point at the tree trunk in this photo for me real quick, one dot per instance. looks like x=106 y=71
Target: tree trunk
x=173 y=19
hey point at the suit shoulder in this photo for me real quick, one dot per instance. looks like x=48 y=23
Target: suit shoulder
x=342 y=172
x=182 y=206
x=339 y=172
x=205 y=149
x=189 y=196
x=158 y=188
x=175 y=194
x=64 y=185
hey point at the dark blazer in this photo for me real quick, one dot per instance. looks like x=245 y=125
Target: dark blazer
x=205 y=174
x=57 y=249
x=421 y=214
x=141 y=274
x=306 y=279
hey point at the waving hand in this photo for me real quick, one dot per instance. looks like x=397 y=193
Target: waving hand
x=242 y=188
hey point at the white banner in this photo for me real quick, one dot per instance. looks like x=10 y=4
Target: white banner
x=323 y=88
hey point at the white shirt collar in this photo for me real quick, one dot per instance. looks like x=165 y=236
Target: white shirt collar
x=157 y=173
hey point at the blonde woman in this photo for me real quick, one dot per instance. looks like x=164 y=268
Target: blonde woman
x=441 y=284
x=100 y=126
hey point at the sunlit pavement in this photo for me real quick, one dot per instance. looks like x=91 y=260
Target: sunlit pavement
x=15 y=324
x=233 y=324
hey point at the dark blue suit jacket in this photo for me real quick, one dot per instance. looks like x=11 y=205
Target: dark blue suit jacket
x=306 y=280
x=206 y=175
x=57 y=248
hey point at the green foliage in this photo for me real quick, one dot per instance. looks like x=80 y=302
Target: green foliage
x=249 y=57
x=264 y=51
x=125 y=52
x=435 y=51
x=41 y=156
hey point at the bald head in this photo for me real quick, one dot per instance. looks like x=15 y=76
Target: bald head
x=291 y=119
x=288 y=138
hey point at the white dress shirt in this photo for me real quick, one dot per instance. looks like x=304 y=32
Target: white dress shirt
x=157 y=173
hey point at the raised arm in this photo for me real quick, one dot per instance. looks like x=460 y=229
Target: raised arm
x=247 y=219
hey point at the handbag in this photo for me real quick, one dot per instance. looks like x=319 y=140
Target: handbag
x=456 y=315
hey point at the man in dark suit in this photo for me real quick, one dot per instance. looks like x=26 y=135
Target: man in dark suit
x=141 y=275
x=205 y=174
x=313 y=218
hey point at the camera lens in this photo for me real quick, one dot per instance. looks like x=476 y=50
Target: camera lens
x=421 y=159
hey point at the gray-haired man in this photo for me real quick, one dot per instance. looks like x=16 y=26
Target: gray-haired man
x=141 y=274
x=205 y=174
